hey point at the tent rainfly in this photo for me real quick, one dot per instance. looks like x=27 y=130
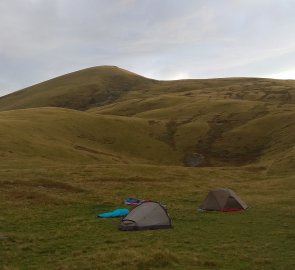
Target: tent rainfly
x=146 y=216
x=223 y=199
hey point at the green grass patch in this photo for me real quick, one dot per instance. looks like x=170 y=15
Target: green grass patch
x=64 y=233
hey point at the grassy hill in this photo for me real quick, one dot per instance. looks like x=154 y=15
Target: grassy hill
x=77 y=145
x=217 y=122
x=78 y=90
x=69 y=136
x=249 y=136
x=97 y=86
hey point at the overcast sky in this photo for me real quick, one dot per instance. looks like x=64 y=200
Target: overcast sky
x=161 y=39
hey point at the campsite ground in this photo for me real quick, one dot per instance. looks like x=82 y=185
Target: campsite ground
x=48 y=215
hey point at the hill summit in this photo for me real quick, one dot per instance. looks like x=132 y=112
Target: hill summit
x=80 y=90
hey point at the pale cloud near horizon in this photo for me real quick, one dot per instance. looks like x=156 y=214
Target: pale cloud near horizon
x=167 y=39
x=283 y=75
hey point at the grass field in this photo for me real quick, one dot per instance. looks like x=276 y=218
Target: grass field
x=48 y=213
x=76 y=146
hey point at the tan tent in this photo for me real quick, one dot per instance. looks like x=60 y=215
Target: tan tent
x=223 y=199
x=146 y=216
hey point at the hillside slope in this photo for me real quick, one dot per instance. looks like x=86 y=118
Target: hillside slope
x=64 y=136
x=221 y=122
x=103 y=85
x=122 y=117
x=78 y=90
x=69 y=136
